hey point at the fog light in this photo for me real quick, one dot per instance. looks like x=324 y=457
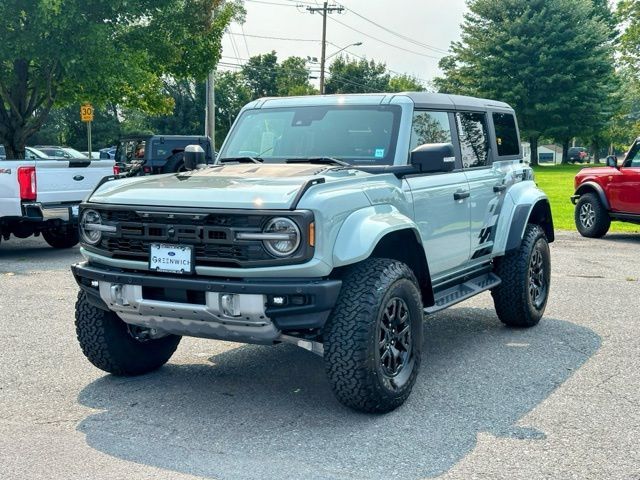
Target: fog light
x=279 y=300
x=230 y=304
x=298 y=300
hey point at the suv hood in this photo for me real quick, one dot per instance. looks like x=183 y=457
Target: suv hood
x=596 y=171
x=269 y=186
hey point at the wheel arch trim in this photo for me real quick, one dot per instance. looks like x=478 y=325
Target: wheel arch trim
x=365 y=231
x=589 y=187
x=540 y=212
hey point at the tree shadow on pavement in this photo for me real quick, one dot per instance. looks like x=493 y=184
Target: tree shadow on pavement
x=267 y=412
x=631 y=238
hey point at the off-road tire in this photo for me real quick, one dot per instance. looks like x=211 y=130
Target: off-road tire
x=62 y=237
x=513 y=298
x=595 y=226
x=352 y=336
x=175 y=163
x=105 y=340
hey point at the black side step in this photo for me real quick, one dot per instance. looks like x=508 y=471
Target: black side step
x=463 y=291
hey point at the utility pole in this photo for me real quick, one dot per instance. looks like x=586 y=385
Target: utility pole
x=210 y=119
x=210 y=110
x=324 y=10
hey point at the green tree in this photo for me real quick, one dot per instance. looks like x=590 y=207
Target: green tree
x=552 y=60
x=405 y=83
x=261 y=75
x=232 y=94
x=293 y=78
x=58 y=52
x=629 y=13
x=187 y=117
x=357 y=76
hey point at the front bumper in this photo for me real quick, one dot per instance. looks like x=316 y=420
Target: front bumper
x=191 y=305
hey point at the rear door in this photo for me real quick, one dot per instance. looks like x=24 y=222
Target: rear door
x=69 y=181
x=476 y=161
x=623 y=190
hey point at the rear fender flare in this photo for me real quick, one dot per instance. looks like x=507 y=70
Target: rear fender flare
x=523 y=214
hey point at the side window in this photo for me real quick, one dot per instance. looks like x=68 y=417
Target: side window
x=472 y=129
x=633 y=160
x=430 y=127
x=506 y=134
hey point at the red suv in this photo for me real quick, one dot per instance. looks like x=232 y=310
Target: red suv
x=609 y=193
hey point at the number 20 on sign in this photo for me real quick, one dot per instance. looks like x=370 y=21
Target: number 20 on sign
x=86 y=112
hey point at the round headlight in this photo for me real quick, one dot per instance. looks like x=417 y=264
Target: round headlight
x=90 y=223
x=285 y=237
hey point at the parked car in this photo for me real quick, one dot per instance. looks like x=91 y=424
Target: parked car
x=30 y=153
x=578 y=155
x=61 y=152
x=94 y=155
x=108 y=153
x=153 y=154
x=608 y=193
x=330 y=222
x=41 y=195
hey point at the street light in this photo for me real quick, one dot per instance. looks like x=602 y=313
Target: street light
x=357 y=44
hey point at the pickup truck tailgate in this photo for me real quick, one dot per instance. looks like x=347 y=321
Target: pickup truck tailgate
x=62 y=181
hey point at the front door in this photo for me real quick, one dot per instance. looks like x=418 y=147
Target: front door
x=441 y=206
x=623 y=189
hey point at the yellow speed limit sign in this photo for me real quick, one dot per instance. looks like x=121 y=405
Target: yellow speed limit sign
x=86 y=112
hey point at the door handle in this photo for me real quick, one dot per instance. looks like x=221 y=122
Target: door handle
x=461 y=195
x=499 y=188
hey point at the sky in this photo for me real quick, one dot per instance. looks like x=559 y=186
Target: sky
x=433 y=24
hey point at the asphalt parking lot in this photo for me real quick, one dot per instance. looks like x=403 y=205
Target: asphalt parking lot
x=558 y=401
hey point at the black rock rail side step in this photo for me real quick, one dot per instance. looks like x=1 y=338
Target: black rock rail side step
x=463 y=291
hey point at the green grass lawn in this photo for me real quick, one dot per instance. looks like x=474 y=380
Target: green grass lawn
x=557 y=182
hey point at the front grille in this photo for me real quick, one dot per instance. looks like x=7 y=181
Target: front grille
x=212 y=235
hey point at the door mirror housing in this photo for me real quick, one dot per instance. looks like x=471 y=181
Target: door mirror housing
x=612 y=161
x=194 y=157
x=434 y=158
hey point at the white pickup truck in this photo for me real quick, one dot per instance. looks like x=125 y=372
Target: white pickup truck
x=40 y=195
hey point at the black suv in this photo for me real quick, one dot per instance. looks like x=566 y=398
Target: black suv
x=578 y=154
x=153 y=154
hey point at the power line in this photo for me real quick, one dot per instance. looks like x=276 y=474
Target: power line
x=246 y=44
x=279 y=38
x=399 y=35
x=387 y=68
x=382 y=41
x=266 y=2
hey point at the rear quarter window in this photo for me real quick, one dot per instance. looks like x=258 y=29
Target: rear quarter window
x=506 y=134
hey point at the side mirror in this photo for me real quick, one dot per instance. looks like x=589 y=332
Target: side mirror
x=194 y=157
x=612 y=161
x=434 y=158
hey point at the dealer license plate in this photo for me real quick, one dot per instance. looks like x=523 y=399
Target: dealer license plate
x=171 y=258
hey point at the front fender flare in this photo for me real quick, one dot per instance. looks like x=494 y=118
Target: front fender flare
x=593 y=186
x=363 y=229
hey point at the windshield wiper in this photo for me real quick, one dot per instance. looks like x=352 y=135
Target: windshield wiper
x=240 y=160
x=321 y=160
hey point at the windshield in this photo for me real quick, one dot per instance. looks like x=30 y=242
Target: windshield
x=129 y=150
x=359 y=135
x=33 y=153
x=74 y=153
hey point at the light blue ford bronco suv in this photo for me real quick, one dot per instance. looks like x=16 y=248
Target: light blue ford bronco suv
x=334 y=223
